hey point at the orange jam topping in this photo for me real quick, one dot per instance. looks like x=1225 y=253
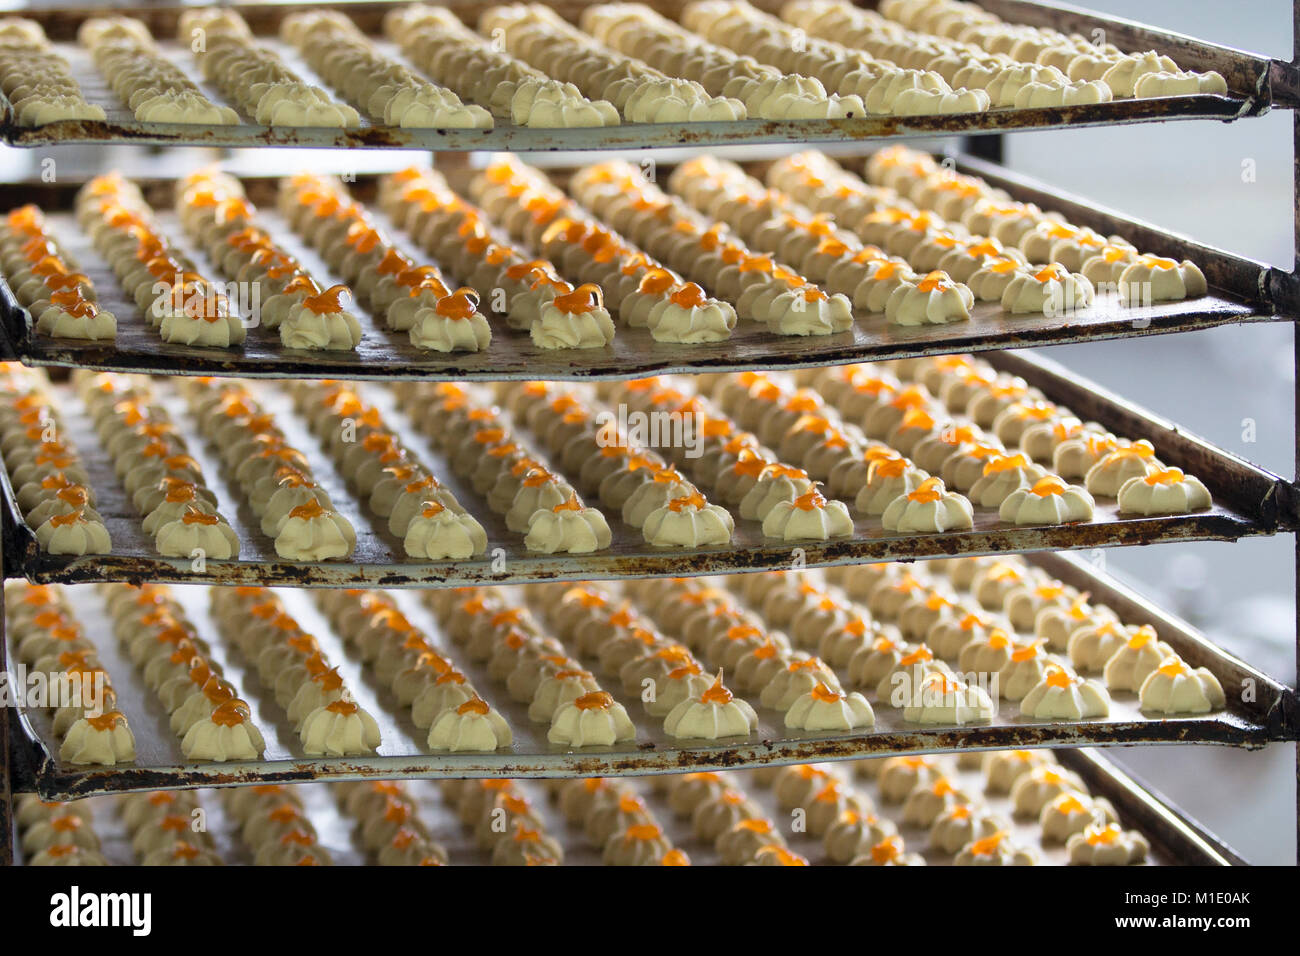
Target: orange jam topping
x=231 y=713
x=812 y=500
x=107 y=720
x=585 y=298
x=308 y=511
x=1048 y=486
x=716 y=694
x=596 y=700
x=461 y=304
x=689 y=296
x=343 y=707
x=921 y=655
x=1059 y=677
x=1097 y=836
x=1027 y=652
x=476 y=705
x=1173 y=667
x=328 y=302
x=1164 y=476
x=989 y=845
x=1006 y=463
x=927 y=492
x=825 y=695
x=1142 y=637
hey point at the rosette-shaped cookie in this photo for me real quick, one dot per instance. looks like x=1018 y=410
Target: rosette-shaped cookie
x=961 y=824
x=227 y=733
x=940 y=699
x=1052 y=291
x=994 y=850
x=935 y=300
x=929 y=508
x=1155 y=279
x=1049 y=500
x=1060 y=695
x=1140 y=655
x=823 y=708
x=688 y=522
x=1177 y=688
x=574 y=319
x=313 y=533
x=1164 y=491
x=714 y=714
x=811 y=516
x=340 y=729
x=436 y=532
x=103 y=739
x=1107 y=845
x=472 y=726
x=592 y=720
x=570 y=527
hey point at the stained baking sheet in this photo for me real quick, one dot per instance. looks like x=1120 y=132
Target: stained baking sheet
x=1249 y=79
x=1241 y=290
x=1265 y=715
x=1175 y=841
x=1245 y=496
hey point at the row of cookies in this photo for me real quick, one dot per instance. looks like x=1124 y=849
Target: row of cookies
x=1041 y=237
x=79 y=692
x=436 y=41
x=520 y=288
x=642 y=94
x=175 y=298
x=1111 y=467
x=253 y=76
x=650 y=495
x=144 y=79
x=410 y=298
x=51 y=483
x=205 y=709
x=504 y=821
x=635 y=30
x=44 y=279
x=665 y=675
x=388 y=475
x=736 y=467
x=518 y=652
x=635 y=286
x=274 y=827
x=274 y=476
x=419 y=673
x=383 y=88
x=218 y=216
x=616 y=820
x=388 y=823
x=877 y=277
x=290 y=664
x=883 y=86
x=806 y=691
x=56 y=833
x=168 y=828
x=153 y=462
x=760 y=288
x=36 y=80
x=1143 y=74
x=480 y=444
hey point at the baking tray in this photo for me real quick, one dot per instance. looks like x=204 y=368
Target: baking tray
x=1269 y=715
x=1242 y=291
x=1175 y=840
x=1246 y=504
x=1250 y=80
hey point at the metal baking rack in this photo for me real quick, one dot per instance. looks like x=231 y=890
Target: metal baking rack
x=1257 y=502
x=1241 y=291
x=1254 y=82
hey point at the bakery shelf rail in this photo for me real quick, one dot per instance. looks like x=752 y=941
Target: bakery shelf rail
x=1250 y=79
x=1241 y=290
x=1246 y=505
x=1250 y=720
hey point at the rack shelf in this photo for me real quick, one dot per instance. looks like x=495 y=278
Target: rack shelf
x=403 y=754
x=1241 y=291
x=1251 y=80
x=1175 y=840
x=1246 y=504
x=1250 y=501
